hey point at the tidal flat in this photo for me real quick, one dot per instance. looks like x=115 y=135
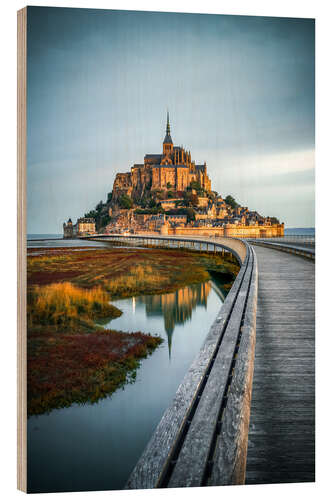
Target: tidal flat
x=72 y=359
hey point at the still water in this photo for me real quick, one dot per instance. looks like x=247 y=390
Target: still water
x=56 y=241
x=95 y=447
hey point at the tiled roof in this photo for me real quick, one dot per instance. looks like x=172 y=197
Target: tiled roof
x=87 y=220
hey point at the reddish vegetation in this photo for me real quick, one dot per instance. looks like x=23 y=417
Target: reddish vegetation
x=41 y=278
x=63 y=369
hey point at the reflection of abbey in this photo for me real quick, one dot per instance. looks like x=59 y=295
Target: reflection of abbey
x=176 y=307
x=173 y=169
x=170 y=194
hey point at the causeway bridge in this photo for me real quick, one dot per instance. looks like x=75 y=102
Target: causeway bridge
x=245 y=411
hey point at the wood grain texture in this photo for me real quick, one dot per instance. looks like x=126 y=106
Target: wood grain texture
x=281 y=445
x=179 y=453
x=21 y=251
x=152 y=466
x=189 y=471
x=307 y=251
x=229 y=460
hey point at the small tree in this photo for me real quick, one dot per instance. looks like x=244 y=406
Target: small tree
x=230 y=200
x=104 y=221
x=125 y=201
x=195 y=185
x=99 y=206
x=91 y=215
x=187 y=196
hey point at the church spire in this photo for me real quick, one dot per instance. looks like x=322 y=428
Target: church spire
x=167 y=139
x=168 y=124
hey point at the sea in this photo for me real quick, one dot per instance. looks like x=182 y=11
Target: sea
x=300 y=231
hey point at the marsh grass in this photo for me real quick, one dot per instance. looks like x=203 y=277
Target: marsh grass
x=125 y=272
x=47 y=261
x=65 y=304
x=138 y=278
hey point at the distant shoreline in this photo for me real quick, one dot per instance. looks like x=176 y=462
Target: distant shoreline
x=59 y=236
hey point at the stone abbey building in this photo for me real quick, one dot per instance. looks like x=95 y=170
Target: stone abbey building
x=169 y=194
x=173 y=169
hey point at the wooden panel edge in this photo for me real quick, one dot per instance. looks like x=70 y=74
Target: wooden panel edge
x=21 y=250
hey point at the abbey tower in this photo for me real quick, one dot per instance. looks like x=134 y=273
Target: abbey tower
x=173 y=169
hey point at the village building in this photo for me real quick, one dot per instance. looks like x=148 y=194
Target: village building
x=177 y=219
x=68 y=229
x=156 y=222
x=203 y=201
x=169 y=204
x=83 y=226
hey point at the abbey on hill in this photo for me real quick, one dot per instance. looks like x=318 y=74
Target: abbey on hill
x=173 y=169
x=170 y=194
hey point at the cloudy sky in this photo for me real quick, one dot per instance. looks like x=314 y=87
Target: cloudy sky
x=240 y=91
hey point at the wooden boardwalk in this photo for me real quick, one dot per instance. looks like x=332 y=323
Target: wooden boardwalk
x=281 y=442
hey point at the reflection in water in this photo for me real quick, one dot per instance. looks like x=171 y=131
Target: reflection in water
x=95 y=447
x=176 y=308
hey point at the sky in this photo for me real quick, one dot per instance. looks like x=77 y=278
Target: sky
x=239 y=89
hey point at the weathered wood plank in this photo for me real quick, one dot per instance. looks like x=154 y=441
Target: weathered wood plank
x=153 y=465
x=281 y=437
x=229 y=459
x=189 y=472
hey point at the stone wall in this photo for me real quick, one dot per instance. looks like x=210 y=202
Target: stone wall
x=231 y=230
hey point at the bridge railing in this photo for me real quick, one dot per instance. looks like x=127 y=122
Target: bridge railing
x=298 y=248
x=202 y=436
x=288 y=238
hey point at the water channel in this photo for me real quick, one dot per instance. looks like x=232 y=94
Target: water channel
x=95 y=447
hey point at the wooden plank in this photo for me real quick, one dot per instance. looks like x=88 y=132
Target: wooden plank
x=229 y=459
x=154 y=462
x=281 y=436
x=189 y=472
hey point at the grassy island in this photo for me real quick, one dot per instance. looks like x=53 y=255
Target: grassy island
x=70 y=358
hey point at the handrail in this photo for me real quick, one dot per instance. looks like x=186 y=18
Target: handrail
x=307 y=252
x=202 y=436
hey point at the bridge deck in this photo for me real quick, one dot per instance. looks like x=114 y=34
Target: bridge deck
x=281 y=437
